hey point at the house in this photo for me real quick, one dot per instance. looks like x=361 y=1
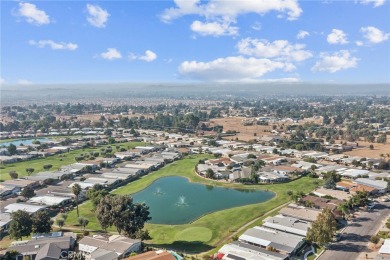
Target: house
x=238 y=250
x=342 y=195
x=355 y=173
x=22 y=183
x=120 y=245
x=362 y=188
x=299 y=212
x=50 y=200
x=154 y=255
x=287 y=224
x=284 y=169
x=23 y=206
x=5 y=219
x=344 y=185
x=384 y=251
x=321 y=203
x=282 y=242
x=8 y=190
x=45 y=248
x=272 y=177
x=381 y=186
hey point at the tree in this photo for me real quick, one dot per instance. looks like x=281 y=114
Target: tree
x=322 y=229
x=330 y=184
x=121 y=212
x=21 y=224
x=30 y=171
x=254 y=176
x=96 y=193
x=344 y=208
x=11 y=149
x=83 y=222
x=41 y=222
x=60 y=222
x=28 y=193
x=210 y=173
x=13 y=174
x=47 y=167
x=76 y=190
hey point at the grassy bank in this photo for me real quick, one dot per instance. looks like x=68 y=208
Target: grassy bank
x=210 y=230
x=57 y=160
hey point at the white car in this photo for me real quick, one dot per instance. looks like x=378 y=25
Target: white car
x=385 y=199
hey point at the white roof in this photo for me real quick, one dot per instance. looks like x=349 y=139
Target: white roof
x=48 y=200
x=385 y=248
x=21 y=206
x=83 y=185
x=377 y=184
x=354 y=172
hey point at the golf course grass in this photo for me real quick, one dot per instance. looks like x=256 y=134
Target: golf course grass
x=56 y=161
x=210 y=230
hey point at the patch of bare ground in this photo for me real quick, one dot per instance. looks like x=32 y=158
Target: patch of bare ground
x=364 y=150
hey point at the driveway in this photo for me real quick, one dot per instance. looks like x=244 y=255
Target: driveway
x=358 y=233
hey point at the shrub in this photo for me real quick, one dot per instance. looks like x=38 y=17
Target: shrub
x=374 y=239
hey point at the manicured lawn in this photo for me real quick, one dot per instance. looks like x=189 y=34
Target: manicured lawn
x=57 y=160
x=191 y=238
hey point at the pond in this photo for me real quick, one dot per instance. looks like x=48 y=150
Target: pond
x=24 y=141
x=175 y=200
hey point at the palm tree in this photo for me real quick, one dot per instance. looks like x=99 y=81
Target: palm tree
x=76 y=189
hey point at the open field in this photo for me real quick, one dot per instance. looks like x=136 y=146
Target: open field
x=208 y=231
x=57 y=160
x=364 y=151
x=250 y=132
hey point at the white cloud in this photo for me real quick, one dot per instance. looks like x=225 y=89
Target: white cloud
x=337 y=37
x=231 y=69
x=111 y=54
x=376 y=3
x=256 y=26
x=32 y=14
x=230 y=9
x=374 y=35
x=213 y=28
x=302 y=34
x=148 y=56
x=24 y=82
x=54 y=45
x=359 y=43
x=279 y=49
x=97 y=16
x=334 y=62
x=2 y=81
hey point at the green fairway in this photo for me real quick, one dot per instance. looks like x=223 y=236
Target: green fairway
x=189 y=237
x=57 y=160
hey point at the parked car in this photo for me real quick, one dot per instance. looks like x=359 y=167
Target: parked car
x=385 y=199
x=371 y=205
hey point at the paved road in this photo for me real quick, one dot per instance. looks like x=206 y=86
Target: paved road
x=357 y=235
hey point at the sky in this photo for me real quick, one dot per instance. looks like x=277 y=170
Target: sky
x=195 y=41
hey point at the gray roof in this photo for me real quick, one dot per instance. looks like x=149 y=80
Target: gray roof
x=377 y=184
x=267 y=237
x=260 y=250
x=33 y=246
x=287 y=224
x=300 y=212
x=118 y=244
x=102 y=254
x=49 y=251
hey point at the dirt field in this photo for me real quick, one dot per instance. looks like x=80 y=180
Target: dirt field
x=365 y=151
